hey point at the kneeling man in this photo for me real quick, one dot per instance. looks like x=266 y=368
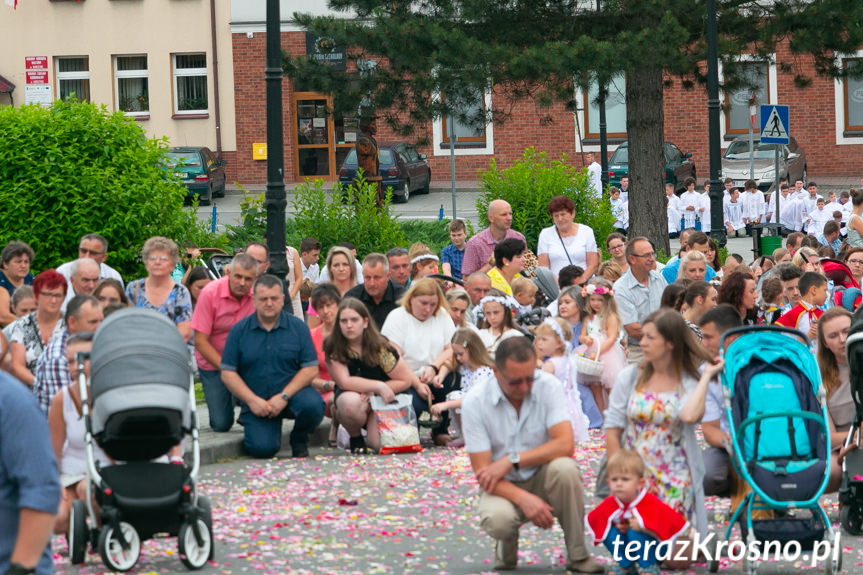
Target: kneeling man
x=519 y=439
x=268 y=363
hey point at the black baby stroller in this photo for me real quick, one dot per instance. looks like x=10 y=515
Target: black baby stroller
x=851 y=491
x=143 y=404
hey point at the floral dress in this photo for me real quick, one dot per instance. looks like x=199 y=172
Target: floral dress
x=656 y=433
x=177 y=307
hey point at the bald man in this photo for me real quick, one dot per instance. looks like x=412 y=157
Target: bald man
x=84 y=275
x=481 y=246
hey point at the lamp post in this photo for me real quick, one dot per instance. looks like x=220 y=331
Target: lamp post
x=603 y=126
x=275 y=194
x=717 y=221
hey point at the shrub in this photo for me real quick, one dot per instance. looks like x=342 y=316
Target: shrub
x=75 y=168
x=345 y=214
x=528 y=186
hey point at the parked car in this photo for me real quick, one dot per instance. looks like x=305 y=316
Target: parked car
x=401 y=168
x=200 y=171
x=735 y=162
x=678 y=166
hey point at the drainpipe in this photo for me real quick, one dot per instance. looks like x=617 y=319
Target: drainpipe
x=216 y=108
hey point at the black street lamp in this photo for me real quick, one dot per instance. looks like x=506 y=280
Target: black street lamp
x=275 y=194
x=717 y=221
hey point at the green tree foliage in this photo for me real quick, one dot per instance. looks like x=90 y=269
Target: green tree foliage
x=75 y=168
x=345 y=214
x=528 y=186
x=533 y=50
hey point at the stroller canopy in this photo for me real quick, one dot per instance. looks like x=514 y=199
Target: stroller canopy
x=139 y=361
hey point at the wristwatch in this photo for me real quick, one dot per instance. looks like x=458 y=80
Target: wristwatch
x=514 y=459
x=285 y=396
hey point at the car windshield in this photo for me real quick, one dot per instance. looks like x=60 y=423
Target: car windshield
x=184 y=159
x=739 y=150
x=385 y=156
x=620 y=156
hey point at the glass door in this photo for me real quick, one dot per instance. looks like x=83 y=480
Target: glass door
x=314 y=136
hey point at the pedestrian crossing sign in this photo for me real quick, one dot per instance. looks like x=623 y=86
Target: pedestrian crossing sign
x=774 y=125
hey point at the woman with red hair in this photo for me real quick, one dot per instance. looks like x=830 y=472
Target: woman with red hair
x=31 y=333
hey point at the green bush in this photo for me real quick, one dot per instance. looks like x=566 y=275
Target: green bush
x=76 y=168
x=345 y=214
x=528 y=186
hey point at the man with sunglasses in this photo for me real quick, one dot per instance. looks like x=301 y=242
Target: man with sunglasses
x=518 y=435
x=638 y=292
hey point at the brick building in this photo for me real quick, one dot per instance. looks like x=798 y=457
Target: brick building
x=826 y=118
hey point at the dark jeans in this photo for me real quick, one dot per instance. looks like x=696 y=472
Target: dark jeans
x=420 y=404
x=717 y=468
x=262 y=438
x=646 y=557
x=220 y=402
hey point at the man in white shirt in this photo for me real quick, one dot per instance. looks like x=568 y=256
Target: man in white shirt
x=810 y=201
x=753 y=205
x=619 y=209
x=310 y=252
x=818 y=217
x=690 y=203
x=594 y=172
x=733 y=212
x=673 y=209
x=519 y=439
x=83 y=279
x=704 y=209
x=95 y=247
x=624 y=188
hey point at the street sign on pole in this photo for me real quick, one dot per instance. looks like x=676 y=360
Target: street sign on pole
x=774 y=124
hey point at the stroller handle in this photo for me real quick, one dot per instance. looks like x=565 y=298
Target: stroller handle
x=772 y=328
x=446 y=278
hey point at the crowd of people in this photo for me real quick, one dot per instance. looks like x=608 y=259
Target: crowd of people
x=511 y=369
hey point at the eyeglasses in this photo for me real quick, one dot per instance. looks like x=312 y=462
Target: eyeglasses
x=161 y=259
x=617 y=247
x=86 y=252
x=647 y=255
x=52 y=295
x=857 y=262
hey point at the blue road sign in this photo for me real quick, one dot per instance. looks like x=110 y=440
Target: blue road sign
x=774 y=124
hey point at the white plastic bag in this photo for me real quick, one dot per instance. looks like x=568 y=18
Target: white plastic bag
x=397 y=424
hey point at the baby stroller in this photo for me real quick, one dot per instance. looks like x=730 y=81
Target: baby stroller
x=143 y=403
x=851 y=491
x=779 y=445
x=846 y=290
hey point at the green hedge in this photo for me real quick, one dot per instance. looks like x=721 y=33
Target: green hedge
x=76 y=168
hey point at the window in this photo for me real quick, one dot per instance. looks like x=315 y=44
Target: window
x=73 y=78
x=131 y=85
x=467 y=132
x=853 y=98
x=755 y=80
x=190 y=84
x=615 y=109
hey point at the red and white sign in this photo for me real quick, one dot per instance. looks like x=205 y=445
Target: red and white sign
x=36 y=62
x=37 y=77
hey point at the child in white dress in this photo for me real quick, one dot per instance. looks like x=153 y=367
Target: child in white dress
x=600 y=336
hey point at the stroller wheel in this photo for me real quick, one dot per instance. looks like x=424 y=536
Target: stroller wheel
x=113 y=554
x=206 y=509
x=851 y=517
x=194 y=553
x=78 y=532
x=750 y=567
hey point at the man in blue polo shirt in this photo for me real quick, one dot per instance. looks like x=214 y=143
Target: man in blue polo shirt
x=268 y=363
x=29 y=482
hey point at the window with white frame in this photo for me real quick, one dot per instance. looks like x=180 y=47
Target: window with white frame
x=190 y=84
x=131 y=85
x=853 y=97
x=468 y=123
x=615 y=109
x=755 y=76
x=73 y=77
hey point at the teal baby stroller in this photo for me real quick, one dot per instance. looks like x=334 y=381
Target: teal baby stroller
x=779 y=444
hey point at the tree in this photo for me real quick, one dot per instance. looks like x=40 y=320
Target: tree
x=530 y=49
x=75 y=168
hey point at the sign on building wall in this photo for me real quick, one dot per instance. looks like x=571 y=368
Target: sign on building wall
x=324 y=49
x=259 y=151
x=37 y=90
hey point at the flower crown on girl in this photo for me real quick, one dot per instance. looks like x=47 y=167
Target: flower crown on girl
x=596 y=290
x=555 y=327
